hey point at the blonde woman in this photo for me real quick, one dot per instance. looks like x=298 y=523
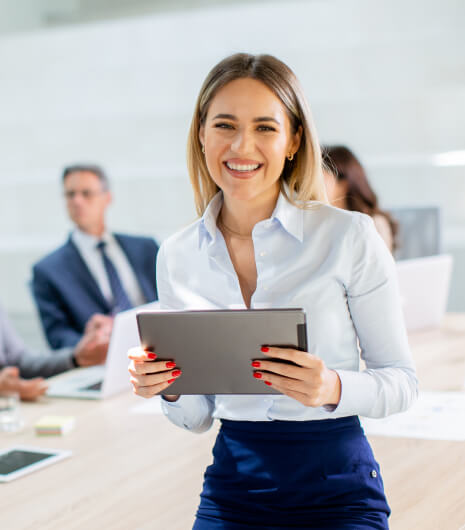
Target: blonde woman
x=267 y=238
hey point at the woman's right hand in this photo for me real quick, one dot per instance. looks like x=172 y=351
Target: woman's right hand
x=149 y=377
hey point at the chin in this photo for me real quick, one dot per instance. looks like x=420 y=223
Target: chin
x=241 y=194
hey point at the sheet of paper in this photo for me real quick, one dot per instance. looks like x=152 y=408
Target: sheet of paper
x=435 y=416
x=147 y=406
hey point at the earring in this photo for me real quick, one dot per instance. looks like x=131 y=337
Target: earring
x=290 y=156
x=203 y=149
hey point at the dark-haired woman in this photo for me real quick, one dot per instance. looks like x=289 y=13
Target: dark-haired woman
x=348 y=187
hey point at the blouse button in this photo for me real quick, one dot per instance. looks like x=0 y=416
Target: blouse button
x=373 y=474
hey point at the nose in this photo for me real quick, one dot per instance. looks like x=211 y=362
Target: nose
x=243 y=142
x=77 y=198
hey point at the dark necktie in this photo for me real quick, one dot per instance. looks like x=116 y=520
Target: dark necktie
x=121 y=301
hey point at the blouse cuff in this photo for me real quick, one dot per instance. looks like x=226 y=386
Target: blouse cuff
x=190 y=412
x=358 y=394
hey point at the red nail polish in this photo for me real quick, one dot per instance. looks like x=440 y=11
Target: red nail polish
x=256 y=364
x=267 y=383
x=151 y=356
x=171 y=380
x=264 y=349
x=176 y=373
x=170 y=364
x=257 y=375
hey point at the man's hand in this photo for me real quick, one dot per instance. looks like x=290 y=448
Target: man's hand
x=92 y=348
x=99 y=322
x=28 y=389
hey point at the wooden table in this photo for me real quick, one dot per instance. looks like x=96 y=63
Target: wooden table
x=134 y=471
x=425 y=479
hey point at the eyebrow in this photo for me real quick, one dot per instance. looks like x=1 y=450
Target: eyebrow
x=234 y=118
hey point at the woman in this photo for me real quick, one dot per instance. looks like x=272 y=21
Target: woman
x=348 y=188
x=266 y=238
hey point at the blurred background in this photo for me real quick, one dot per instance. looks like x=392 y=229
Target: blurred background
x=115 y=81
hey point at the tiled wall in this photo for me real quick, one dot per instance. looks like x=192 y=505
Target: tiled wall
x=385 y=77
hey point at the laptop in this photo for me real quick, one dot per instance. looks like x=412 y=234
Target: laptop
x=102 y=381
x=424 y=289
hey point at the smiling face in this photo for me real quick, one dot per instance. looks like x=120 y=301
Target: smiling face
x=247 y=136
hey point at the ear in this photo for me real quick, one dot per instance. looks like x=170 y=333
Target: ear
x=296 y=139
x=202 y=134
x=109 y=198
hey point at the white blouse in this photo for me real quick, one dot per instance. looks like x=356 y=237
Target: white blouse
x=330 y=262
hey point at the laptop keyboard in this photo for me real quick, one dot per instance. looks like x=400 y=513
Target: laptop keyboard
x=95 y=386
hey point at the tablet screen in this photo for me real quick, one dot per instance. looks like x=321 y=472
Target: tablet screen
x=18 y=459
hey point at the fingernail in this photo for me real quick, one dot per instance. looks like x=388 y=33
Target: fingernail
x=171 y=380
x=170 y=364
x=264 y=349
x=151 y=356
x=257 y=375
x=267 y=383
x=176 y=373
x=256 y=364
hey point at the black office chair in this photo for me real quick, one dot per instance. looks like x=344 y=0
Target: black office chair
x=419 y=231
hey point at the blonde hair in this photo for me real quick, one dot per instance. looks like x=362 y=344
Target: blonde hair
x=303 y=174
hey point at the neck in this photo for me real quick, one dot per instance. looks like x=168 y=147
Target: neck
x=340 y=202
x=96 y=231
x=241 y=216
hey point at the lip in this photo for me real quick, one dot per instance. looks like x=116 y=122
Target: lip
x=244 y=175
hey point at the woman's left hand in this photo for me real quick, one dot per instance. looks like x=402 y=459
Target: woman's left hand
x=311 y=382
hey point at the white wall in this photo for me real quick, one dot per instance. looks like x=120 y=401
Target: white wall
x=385 y=77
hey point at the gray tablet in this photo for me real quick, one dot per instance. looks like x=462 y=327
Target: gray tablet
x=214 y=349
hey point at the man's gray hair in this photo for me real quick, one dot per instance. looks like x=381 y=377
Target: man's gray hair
x=91 y=168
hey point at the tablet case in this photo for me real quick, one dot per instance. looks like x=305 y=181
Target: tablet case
x=214 y=349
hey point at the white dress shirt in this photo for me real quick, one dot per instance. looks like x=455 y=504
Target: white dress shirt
x=330 y=262
x=92 y=256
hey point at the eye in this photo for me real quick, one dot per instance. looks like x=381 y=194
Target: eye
x=265 y=128
x=223 y=125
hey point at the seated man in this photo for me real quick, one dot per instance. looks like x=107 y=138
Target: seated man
x=22 y=371
x=95 y=271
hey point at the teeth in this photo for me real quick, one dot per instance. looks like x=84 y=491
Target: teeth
x=242 y=167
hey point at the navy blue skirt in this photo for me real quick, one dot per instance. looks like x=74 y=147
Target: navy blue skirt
x=291 y=474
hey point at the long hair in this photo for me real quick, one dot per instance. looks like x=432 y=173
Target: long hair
x=344 y=165
x=303 y=174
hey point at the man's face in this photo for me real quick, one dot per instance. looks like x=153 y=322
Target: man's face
x=86 y=200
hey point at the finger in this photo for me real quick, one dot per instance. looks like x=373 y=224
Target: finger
x=303 y=398
x=36 y=380
x=139 y=354
x=150 y=391
x=279 y=381
x=302 y=358
x=288 y=370
x=41 y=388
x=98 y=319
x=155 y=379
x=152 y=367
x=11 y=371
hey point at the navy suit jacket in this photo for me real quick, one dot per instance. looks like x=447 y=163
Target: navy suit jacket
x=67 y=294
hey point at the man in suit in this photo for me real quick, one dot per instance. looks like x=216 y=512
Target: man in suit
x=22 y=370
x=95 y=271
